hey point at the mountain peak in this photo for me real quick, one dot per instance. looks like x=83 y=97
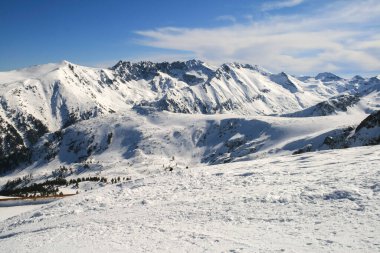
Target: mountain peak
x=65 y=62
x=327 y=77
x=121 y=64
x=357 y=77
x=286 y=81
x=194 y=62
x=257 y=68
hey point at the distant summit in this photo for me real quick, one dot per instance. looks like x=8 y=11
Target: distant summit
x=327 y=77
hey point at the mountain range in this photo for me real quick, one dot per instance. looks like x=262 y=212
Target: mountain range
x=181 y=112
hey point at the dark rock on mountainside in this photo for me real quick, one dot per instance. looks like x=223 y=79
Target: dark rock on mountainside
x=368 y=131
x=371 y=121
x=13 y=150
x=365 y=134
x=332 y=106
x=191 y=72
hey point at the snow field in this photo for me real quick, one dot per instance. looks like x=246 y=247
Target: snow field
x=316 y=202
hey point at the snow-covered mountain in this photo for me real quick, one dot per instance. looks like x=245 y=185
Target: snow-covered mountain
x=145 y=146
x=66 y=113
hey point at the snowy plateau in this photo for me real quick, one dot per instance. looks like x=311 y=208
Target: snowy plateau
x=188 y=157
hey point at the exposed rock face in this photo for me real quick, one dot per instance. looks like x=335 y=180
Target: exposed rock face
x=332 y=106
x=191 y=72
x=368 y=131
x=13 y=150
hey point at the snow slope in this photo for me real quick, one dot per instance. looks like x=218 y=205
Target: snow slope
x=316 y=202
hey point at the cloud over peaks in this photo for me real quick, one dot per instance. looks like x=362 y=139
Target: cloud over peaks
x=340 y=37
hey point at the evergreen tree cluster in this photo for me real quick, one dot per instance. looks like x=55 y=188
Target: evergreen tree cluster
x=62 y=172
x=91 y=179
x=20 y=187
x=46 y=188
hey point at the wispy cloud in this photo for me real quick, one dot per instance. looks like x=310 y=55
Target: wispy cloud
x=229 y=18
x=280 y=4
x=341 y=37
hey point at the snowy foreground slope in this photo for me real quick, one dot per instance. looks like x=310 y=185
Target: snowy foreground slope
x=324 y=201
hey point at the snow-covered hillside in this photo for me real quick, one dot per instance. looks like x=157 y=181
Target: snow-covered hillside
x=164 y=139
x=40 y=102
x=317 y=202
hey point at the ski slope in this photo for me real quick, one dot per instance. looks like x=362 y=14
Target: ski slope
x=324 y=201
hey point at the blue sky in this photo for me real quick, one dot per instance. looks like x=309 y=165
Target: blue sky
x=296 y=36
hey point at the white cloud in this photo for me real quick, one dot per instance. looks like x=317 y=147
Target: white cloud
x=280 y=4
x=339 y=37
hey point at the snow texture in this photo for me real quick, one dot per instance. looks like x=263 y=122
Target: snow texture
x=316 y=202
